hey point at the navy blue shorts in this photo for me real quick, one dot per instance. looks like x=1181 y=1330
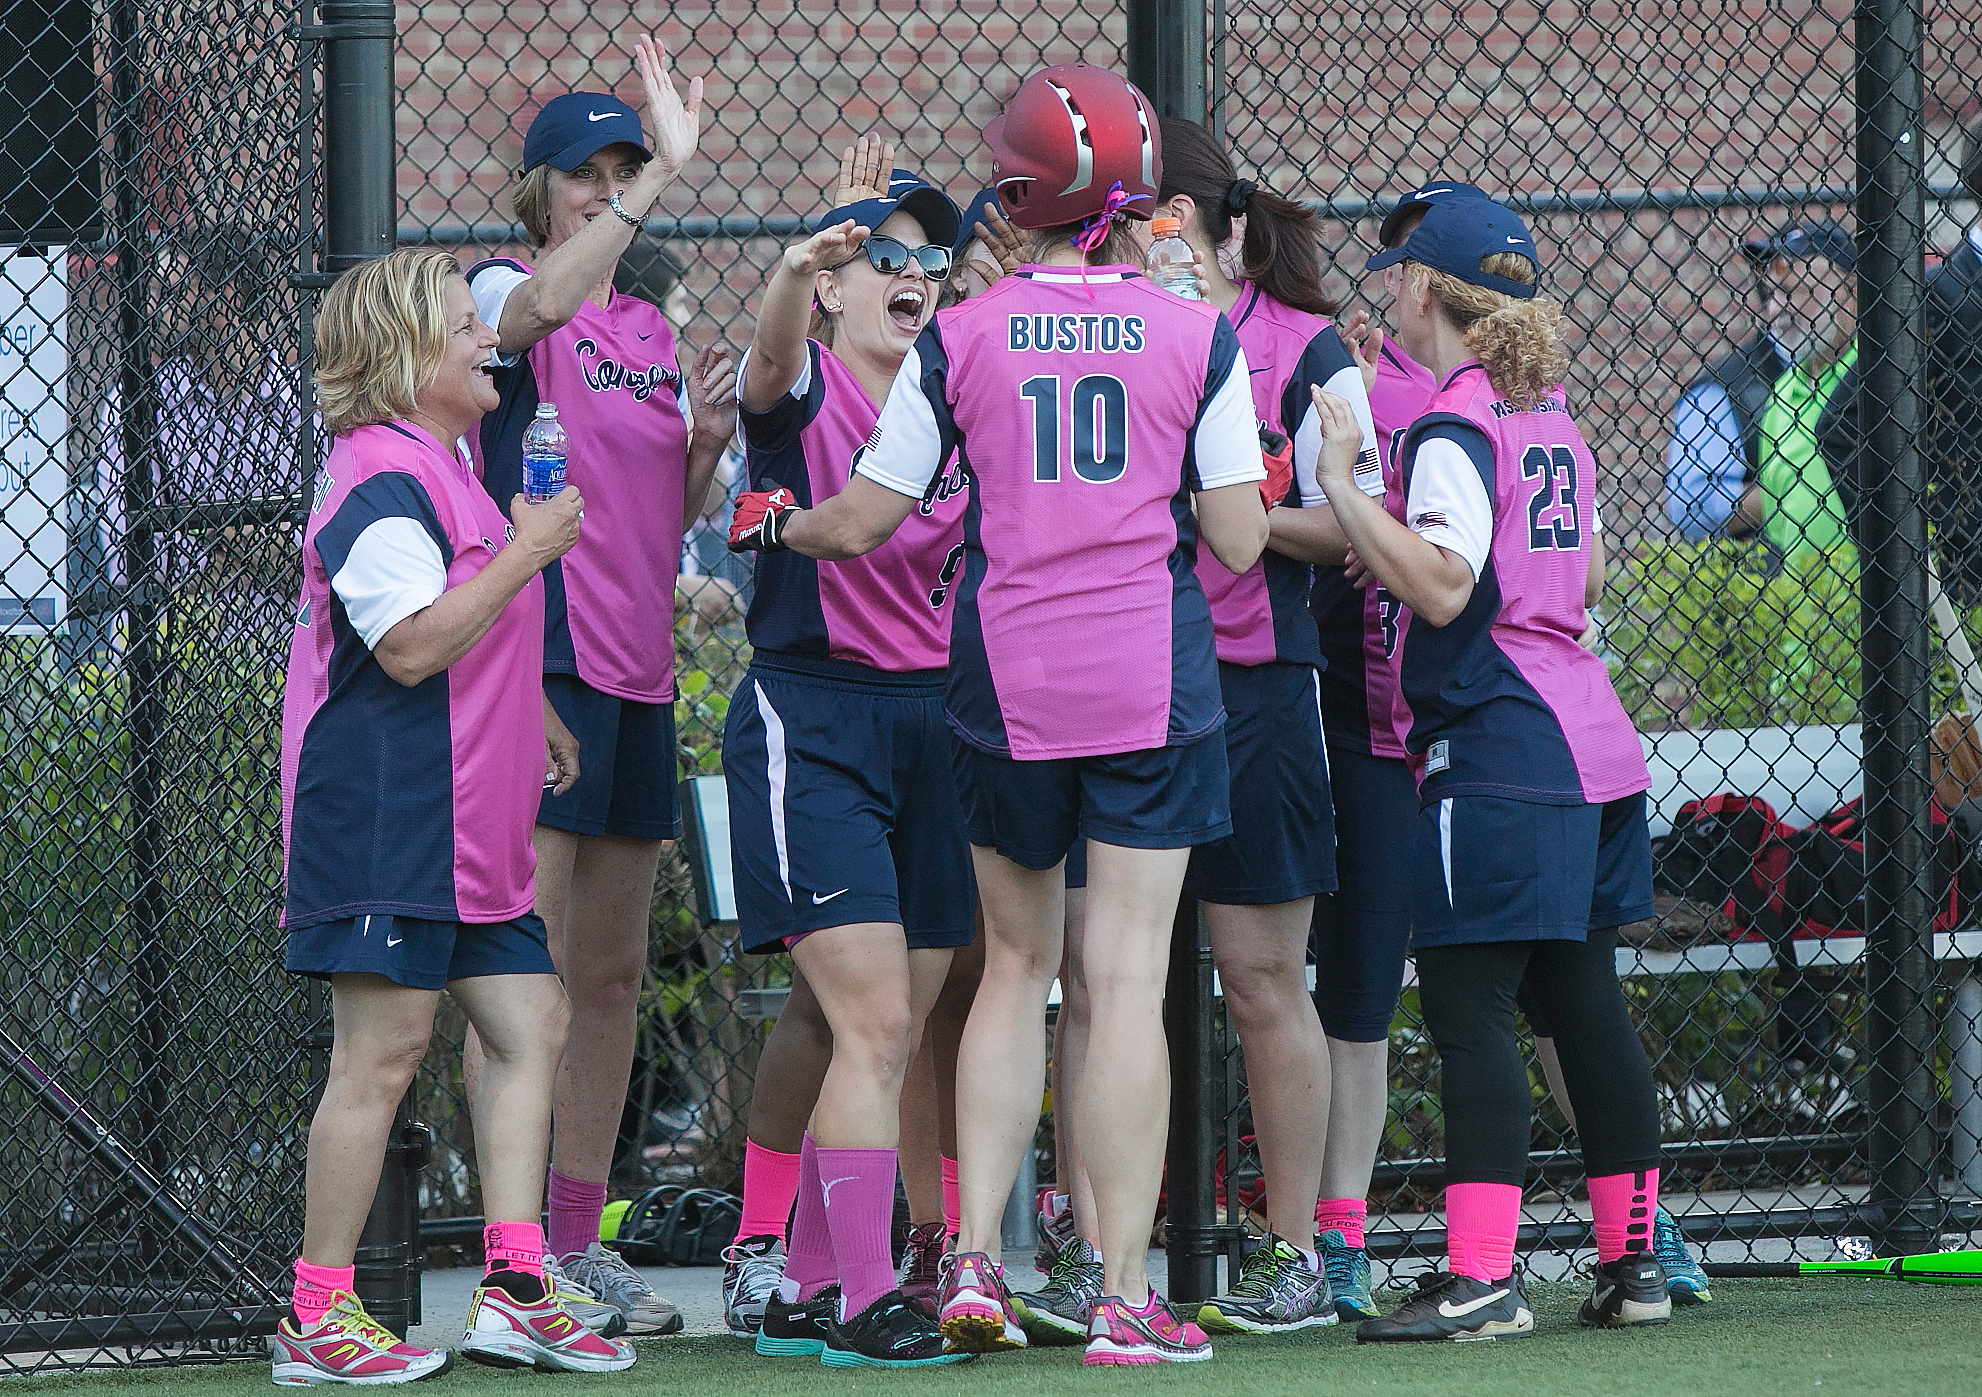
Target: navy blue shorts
x=419 y=954
x=626 y=764
x=1157 y=798
x=842 y=805
x=1492 y=869
x=1282 y=844
x=1363 y=929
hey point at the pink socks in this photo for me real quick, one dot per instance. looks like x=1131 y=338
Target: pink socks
x=1344 y=1215
x=858 y=1187
x=770 y=1184
x=316 y=1290
x=809 y=1252
x=513 y=1258
x=952 y=1201
x=1480 y=1223
x=1621 y=1207
x=575 y=1207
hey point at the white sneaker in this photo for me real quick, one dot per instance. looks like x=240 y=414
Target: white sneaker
x=598 y=1316
x=752 y=1269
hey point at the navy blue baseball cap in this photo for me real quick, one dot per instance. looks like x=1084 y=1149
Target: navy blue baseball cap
x=975 y=213
x=575 y=127
x=912 y=195
x=1802 y=240
x=1418 y=200
x=1458 y=234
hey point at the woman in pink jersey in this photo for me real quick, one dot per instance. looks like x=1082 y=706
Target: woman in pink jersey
x=413 y=748
x=1531 y=843
x=847 y=844
x=1104 y=425
x=645 y=438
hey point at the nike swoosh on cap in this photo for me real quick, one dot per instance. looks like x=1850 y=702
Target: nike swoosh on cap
x=1452 y=1311
x=602 y=116
x=1512 y=239
x=1427 y=193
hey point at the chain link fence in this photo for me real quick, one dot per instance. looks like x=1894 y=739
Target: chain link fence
x=162 y=187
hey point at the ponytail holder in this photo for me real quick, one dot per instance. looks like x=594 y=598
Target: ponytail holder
x=1094 y=230
x=1239 y=196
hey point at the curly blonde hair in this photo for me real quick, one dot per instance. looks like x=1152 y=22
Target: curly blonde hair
x=1517 y=342
x=380 y=336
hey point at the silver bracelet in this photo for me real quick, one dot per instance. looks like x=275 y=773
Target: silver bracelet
x=617 y=207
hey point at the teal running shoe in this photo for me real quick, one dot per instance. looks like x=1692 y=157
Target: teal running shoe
x=1348 y=1272
x=1685 y=1282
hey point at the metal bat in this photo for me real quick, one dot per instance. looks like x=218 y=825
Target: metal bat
x=1934 y=1268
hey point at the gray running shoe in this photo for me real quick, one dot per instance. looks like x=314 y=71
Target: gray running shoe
x=595 y=1314
x=752 y=1269
x=605 y=1273
x=1277 y=1291
x=1058 y=1312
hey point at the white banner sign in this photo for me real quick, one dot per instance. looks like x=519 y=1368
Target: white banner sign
x=34 y=440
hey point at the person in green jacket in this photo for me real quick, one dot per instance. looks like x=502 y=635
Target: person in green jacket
x=1794 y=501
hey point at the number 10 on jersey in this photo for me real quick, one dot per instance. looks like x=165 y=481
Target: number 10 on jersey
x=1099 y=410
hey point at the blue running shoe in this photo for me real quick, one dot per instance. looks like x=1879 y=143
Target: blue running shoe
x=1685 y=1282
x=1348 y=1272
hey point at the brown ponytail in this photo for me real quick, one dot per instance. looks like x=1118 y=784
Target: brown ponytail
x=1517 y=342
x=1282 y=249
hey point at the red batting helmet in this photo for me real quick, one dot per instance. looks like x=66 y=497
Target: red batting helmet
x=1070 y=133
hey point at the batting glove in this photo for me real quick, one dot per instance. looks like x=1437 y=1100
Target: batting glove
x=1277 y=455
x=760 y=518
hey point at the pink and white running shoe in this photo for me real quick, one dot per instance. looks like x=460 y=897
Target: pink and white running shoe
x=348 y=1346
x=976 y=1316
x=1119 y=1333
x=505 y=1332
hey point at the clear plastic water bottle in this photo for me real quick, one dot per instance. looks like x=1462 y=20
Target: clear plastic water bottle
x=544 y=450
x=1172 y=263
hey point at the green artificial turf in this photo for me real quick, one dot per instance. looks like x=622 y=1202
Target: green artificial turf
x=1824 y=1336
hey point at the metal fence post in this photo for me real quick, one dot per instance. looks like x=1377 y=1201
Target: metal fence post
x=1899 y=966
x=361 y=206
x=1166 y=60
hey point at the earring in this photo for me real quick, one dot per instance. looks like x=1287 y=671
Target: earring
x=833 y=309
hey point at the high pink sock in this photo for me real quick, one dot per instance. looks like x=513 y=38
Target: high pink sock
x=1621 y=1206
x=1480 y=1223
x=1344 y=1215
x=858 y=1187
x=575 y=1208
x=316 y=1290
x=519 y=1246
x=809 y=1253
x=952 y=1200
x=770 y=1183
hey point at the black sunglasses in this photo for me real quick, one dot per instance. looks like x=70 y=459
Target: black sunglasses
x=889 y=257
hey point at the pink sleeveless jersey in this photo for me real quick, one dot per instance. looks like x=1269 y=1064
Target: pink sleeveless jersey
x=1085 y=410
x=415 y=801
x=1260 y=616
x=888 y=610
x=609 y=602
x=1361 y=631
x=1503 y=701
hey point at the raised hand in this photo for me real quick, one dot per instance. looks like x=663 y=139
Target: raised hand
x=1007 y=244
x=1341 y=443
x=712 y=392
x=1363 y=338
x=826 y=248
x=866 y=167
x=677 y=125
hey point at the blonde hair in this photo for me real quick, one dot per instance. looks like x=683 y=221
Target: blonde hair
x=1517 y=342
x=380 y=336
x=530 y=196
x=1119 y=248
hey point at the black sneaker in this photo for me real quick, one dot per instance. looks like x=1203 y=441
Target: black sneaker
x=797 y=1330
x=890 y=1333
x=1454 y=1309
x=1629 y=1291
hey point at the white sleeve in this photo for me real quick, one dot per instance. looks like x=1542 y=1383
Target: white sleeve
x=1348 y=384
x=1596 y=518
x=491 y=288
x=1225 y=441
x=1449 y=504
x=906 y=449
x=393 y=570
